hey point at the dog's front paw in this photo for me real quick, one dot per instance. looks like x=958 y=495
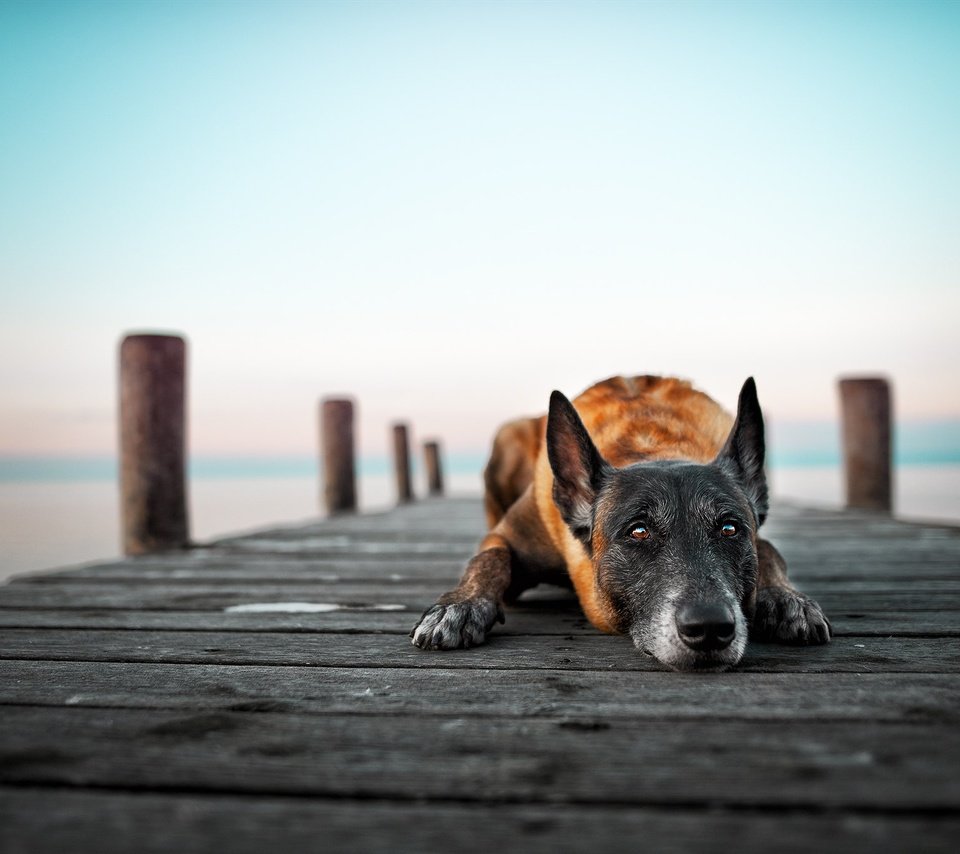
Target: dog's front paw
x=456 y=625
x=787 y=616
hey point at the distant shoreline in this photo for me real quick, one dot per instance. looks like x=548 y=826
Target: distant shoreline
x=79 y=469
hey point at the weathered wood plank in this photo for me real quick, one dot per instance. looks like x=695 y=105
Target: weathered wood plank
x=534 y=618
x=804 y=535
x=441 y=574
x=253 y=570
x=334 y=546
x=465 y=513
x=337 y=536
x=205 y=597
x=648 y=762
x=256 y=569
x=46 y=821
x=788 y=509
x=937 y=590
x=414 y=595
x=454 y=693
x=908 y=551
x=324 y=537
x=450 y=513
x=589 y=652
x=811 y=532
x=540 y=621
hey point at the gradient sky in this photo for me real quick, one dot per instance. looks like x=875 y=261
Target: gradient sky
x=449 y=209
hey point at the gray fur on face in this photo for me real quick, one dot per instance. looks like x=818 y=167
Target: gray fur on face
x=684 y=560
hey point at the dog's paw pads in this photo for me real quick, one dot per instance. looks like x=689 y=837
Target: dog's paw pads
x=457 y=625
x=787 y=616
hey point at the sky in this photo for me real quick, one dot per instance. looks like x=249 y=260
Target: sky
x=446 y=210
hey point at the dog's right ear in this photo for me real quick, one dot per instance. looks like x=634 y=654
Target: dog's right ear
x=578 y=469
x=744 y=449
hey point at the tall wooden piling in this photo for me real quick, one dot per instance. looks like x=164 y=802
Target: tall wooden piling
x=153 y=496
x=401 y=463
x=867 y=447
x=431 y=459
x=339 y=460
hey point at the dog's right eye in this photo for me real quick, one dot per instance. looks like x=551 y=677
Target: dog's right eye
x=639 y=532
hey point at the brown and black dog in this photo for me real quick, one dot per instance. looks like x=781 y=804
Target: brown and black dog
x=647 y=497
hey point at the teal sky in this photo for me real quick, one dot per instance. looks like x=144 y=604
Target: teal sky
x=449 y=209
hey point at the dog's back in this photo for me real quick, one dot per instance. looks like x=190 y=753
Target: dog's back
x=629 y=419
x=652 y=418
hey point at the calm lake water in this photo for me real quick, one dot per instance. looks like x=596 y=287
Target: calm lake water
x=49 y=524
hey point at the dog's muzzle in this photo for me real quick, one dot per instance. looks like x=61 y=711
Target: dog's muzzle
x=694 y=634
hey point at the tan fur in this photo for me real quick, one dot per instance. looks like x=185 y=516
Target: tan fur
x=510 y=468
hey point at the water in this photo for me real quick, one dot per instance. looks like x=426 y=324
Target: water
x=57 y=521
x=928 y=493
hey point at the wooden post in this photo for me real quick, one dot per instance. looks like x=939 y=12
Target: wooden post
x=401 y=463
x=339 y=466
x=153 y=494
x=431 y=458
x=866 y=410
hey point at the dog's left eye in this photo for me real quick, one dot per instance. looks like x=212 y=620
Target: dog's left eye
x=728 y=529
x=639 y=532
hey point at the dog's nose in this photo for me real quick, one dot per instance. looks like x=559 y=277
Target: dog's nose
x=706 y=625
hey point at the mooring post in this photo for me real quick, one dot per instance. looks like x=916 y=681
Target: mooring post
x=153 y=479
x=431 y=458
x=867 y=446
x=339 y=464
x=401 y=463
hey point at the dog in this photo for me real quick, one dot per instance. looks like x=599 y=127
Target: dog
x=647 y=497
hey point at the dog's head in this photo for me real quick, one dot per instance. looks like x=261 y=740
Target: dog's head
x=673 y=544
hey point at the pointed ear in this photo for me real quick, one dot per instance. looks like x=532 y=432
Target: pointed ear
x=578 y=469
x=744 y=449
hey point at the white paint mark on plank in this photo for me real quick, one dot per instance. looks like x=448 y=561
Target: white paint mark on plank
x=305 y=608
x=313 y=544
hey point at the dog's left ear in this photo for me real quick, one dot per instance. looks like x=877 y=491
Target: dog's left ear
x=578 y=468
x=744 y=449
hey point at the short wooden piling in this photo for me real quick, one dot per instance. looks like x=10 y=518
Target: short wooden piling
x=401 y=463
x=153 y=494
x=866 y=411
x=339 y=461
x=431 y=458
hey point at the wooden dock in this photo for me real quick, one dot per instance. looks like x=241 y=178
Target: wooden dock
x=158 y=704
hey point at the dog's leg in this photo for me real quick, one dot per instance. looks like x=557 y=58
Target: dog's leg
x=515 y=555
x=462 y=617
x=782 y=613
